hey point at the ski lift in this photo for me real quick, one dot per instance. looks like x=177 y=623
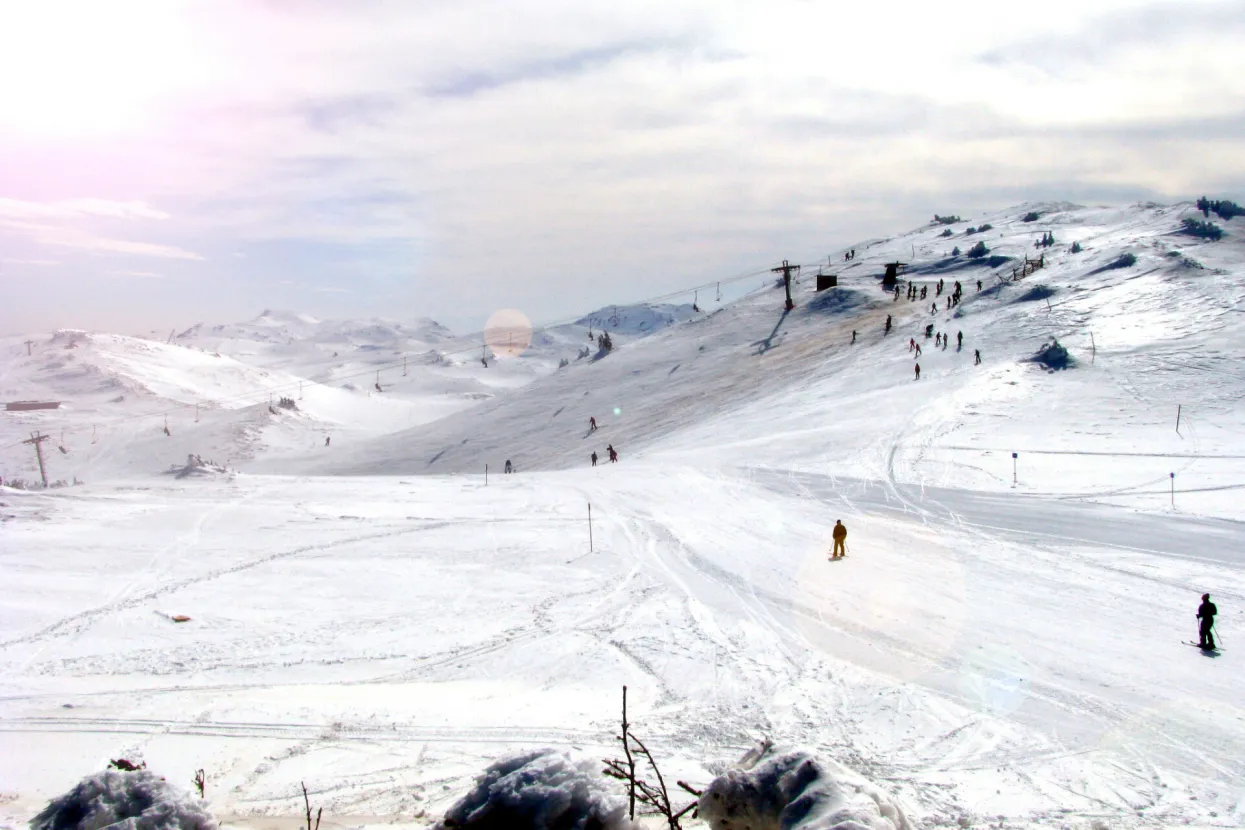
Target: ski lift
x=166 y=426
x=614 y=317
x=94 y=437
x=61 y=445
x=695 y=298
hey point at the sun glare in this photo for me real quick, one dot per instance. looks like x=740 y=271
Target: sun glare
x=87 y=68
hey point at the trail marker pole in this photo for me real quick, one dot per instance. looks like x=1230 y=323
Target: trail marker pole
x=486 y=475
x=1178 y=408
x=404 y=367
x=29 y=343
x=1014 y=455
x=1173 y=478
x=1093 y=348
x=590 y=527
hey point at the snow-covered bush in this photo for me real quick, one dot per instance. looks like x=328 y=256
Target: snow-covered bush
x=1031 y=216
x=1202 y=230
x=795 y=791
x=539 y=790
x=947 y=232
x=978 y=251
x=945 y=220
x=138 y=800
x=1076 y=248
x=1124 y=260
x=1053 y=356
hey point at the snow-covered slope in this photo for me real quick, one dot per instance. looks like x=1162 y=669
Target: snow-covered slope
x=993 y=654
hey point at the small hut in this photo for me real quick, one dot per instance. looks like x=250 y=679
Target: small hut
x=894 y=270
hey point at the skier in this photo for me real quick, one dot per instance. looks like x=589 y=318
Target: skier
x=959 y=339
x=853 y=335
x=594 y=458
x=938 y=339
x=948 y=304
x=978 y=285
x=327 y=439
x=840 y=537
x=911 y=343
x=896 y=295
x=1206 y=616
x=888 y=324
x=933 y=308
x=592 y=424
x=945 y=340
x=918 y=350
x=613 y=453
x=509 y=467
x=918 y=372
x=976 y=357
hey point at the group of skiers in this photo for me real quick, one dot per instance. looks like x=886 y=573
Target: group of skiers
x=849 y=255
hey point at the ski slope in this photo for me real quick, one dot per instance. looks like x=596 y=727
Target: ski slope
x=376 y=619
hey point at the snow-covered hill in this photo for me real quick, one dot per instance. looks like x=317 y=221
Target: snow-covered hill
x=994 y=651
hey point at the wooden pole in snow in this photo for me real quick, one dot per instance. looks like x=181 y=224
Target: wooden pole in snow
x=1093 y=348
x=1173 y=478
x=486 y=475
x=590 y=527
x=1178 y=408
x=37 y=440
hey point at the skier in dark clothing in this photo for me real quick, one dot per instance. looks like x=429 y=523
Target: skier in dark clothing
x=327 y=439
x=592 y=424
x=1206 y=622
x=933 y=308
x=594 y=458
x=959 y=339
x=853 y=335
x=840 y=539
x=976 y=357
x=918 y=372
x=978 y=285
x=888 y=324
x=613 y=453
x=509 y=468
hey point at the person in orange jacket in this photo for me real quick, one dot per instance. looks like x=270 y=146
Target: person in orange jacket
x=840 y=539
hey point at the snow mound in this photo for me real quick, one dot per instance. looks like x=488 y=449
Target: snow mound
x=795 y=791
x=125 y=801
x=838 y=301
x=1037 y=292
x=539 y=790
x=1053 y=356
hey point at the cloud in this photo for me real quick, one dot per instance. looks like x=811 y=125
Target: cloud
x=76 y=208
x=101 y=244
x=39 y=262
x=139 y=274
x=332 y=290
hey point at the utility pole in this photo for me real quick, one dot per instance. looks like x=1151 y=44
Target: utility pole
x=37 y=440
x=786 y=269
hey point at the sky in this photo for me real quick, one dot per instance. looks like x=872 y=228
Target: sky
x=165 y=162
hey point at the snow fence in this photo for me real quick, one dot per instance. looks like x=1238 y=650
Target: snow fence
x=124 y=801
x=540 y=790
x=795 y=791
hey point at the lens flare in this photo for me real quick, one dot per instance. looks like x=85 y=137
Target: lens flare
x=508 y=333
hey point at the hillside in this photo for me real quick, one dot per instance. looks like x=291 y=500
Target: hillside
x=379 y=621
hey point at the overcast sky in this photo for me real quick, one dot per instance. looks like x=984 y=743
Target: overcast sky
x=167 y=162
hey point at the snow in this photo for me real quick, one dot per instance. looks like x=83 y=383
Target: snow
x=539 y=790
x=1002 y=643
x=794 y=791
x=136 y=800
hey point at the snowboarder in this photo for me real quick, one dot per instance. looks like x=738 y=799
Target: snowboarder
x=976 y=357
x=840 y=538
x=1206 y=625
x=594 y=458
x=509 y=467
x=613 y=453
x=959 y=339
x=918 y=372
x=592 y=424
